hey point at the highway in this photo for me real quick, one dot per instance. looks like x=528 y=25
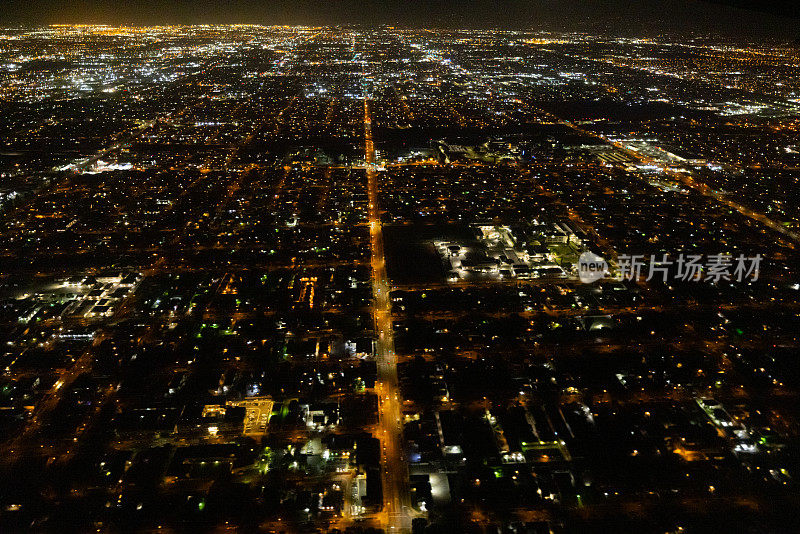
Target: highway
x=396 y=494
x=689 y=181
x=684 y=178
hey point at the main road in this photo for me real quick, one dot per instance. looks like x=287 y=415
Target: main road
x=396 y=494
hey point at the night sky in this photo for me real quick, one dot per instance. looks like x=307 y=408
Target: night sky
x=618 y=16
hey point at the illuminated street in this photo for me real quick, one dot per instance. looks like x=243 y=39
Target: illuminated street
x=395 y=472
x=390 y=278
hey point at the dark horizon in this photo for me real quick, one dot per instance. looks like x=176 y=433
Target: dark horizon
x=677 y=17
x=349 y=278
